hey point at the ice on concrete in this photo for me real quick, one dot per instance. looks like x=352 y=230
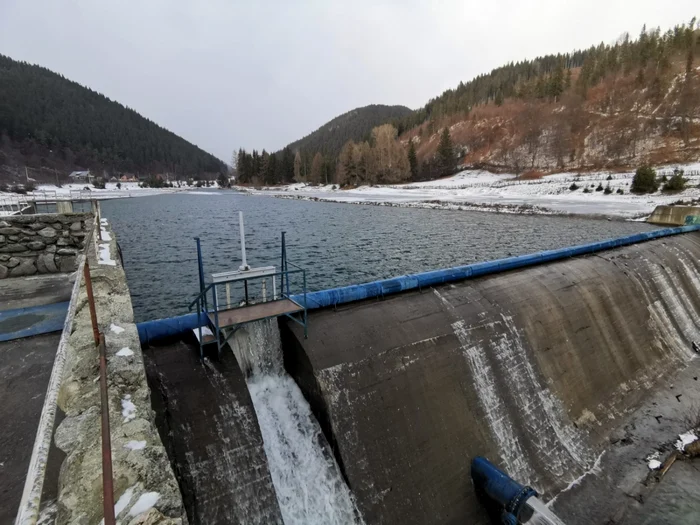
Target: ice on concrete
x=125 y=352
x=122 y=502
x=686 y=439
x=146 y=502
x=135 y=445
x=653 y=461
x=105 y=235
x=104 y=256
x=128 y=409
x=116 y=329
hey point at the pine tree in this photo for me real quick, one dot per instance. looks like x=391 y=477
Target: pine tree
x=316 y=175
x=297 y=167
x=445 y=152
x=556 y=83
x=412 y=159
x=499 y=98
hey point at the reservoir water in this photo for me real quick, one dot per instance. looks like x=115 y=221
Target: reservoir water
x=338 y=244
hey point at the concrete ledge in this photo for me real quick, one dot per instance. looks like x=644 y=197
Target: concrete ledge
x=675 y=215
x=141 y=468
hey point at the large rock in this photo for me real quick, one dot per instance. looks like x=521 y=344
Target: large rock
x=2 y=239
x=3 y=271
x=36 y=245
x=13 y=248
x=48 y=233
x=12 y=262
x=46 y=260
x=64 y=241
x=10 y=231
x=26 y=267
x=76 y=226
x=66 y=263
x=35 y=226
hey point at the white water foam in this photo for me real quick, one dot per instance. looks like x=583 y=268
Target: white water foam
x=307 y=480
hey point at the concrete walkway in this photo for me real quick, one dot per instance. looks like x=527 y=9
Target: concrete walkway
x=25 y=367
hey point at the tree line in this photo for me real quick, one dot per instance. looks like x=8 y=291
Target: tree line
x=549 y=76
x=382 y=159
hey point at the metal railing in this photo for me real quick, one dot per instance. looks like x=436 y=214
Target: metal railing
x=28 y=513
x=208 y=302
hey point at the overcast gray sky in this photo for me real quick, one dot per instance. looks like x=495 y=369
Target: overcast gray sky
x=259 y=74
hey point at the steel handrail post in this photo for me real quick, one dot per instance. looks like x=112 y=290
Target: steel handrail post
x=306 y=334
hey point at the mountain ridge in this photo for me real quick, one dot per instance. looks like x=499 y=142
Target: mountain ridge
x=51 y=124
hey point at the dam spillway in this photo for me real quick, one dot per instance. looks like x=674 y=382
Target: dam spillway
x=533 y=367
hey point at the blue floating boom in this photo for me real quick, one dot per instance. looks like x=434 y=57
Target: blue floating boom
x=153 y=330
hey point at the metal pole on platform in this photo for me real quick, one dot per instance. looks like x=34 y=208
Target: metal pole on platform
x=282 y=268
x=200 y=265
x=244 y=265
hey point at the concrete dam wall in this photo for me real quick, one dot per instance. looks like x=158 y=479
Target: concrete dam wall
x=532 y=368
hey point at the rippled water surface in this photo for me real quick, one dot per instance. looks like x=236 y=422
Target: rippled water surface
x=338 y=244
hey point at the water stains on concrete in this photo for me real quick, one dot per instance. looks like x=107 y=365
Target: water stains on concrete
x=534 y=369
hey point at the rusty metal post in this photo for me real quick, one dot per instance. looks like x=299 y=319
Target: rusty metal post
x=95 y=205
x=107 y=481
x=91 y=303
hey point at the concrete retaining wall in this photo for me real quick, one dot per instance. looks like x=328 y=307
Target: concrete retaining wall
x=675 y=215
x=46 y=243
x=531 y=368
x=142 y=472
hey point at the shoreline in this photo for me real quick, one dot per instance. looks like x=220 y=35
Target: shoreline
x=477 y=190
x=506 y=209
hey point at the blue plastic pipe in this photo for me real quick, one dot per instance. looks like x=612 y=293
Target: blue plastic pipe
x=153 y=330
x=358 y=292
x=507 y=493
x=150 y=331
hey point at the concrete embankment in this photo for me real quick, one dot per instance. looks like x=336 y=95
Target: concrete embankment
x=675 y=215
x=145 y=488
x=532 y=368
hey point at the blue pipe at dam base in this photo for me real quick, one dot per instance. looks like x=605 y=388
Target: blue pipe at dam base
x=160 y=328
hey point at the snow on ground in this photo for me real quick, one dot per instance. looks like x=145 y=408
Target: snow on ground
x=88 y=191
x=476 y=189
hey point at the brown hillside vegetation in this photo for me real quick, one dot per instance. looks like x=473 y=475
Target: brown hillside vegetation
x=609 y=106
x=651 y=115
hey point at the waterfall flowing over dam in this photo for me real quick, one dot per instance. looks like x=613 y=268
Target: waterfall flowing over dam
x=310 y=488
x=245 y=456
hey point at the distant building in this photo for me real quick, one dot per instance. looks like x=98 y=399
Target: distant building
x=80 y=176
x=128 y=177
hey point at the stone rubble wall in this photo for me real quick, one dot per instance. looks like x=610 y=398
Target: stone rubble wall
x=45 y=243
x=145 y=488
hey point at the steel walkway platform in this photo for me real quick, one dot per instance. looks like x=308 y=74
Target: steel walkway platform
x=254 y=312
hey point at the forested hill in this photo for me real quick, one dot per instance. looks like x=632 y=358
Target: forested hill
x=48 y=122
x=354 y=125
